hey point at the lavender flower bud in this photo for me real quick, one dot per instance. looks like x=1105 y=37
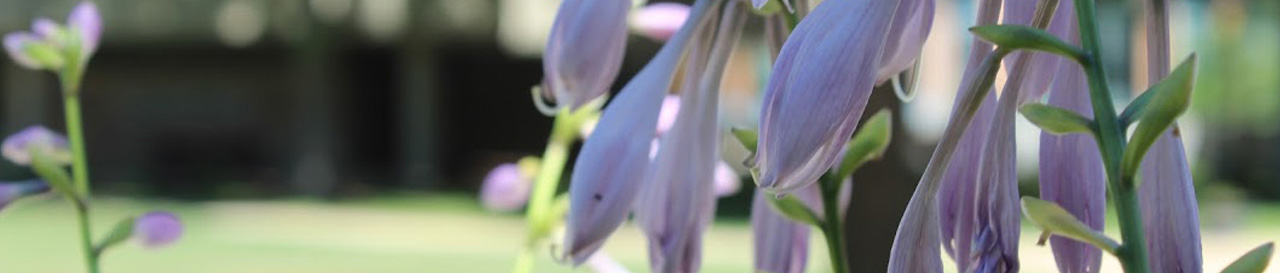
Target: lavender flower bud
x=612 y=162
x=781 y=245
x=157 y=229
x=584 y=51
x=658 y=21
x=10 y=192
x=506 y=187
x=19 y=146
x=15 y=44
x=911 y=24
x=86 y=22
x=818 y=89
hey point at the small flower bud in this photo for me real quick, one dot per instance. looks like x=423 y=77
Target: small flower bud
x=157 y=229
x=19 y=146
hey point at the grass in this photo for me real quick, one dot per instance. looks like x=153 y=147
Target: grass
x=425 y=233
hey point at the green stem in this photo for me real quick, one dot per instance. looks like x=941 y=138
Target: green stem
x=1111 y=144
x=79 y=166
x=833 y=224
x=548 y=180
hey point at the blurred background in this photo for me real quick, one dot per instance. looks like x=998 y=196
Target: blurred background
x=352 y=135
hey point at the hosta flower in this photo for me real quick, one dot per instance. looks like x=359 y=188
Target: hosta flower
x=659 y=21
x=781 y=245
x=584 y=51
x=819 y=87
x=677 y=202
x=51 y=46
x=19 y=146
x=157 y=229
x=613 y=160
x=506 y=187
x=1167 y=196
x=10 y=192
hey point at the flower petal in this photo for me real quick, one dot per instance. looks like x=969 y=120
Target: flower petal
x=781 y=245
x=18 y=147
x=505 y=188
x=15 y=45
x=157 y=229
x=818 y=90
x=910 y=29
x=659 y=21
x=10 y=192
x=86 y=22
x=612 y=162
x=585 y=49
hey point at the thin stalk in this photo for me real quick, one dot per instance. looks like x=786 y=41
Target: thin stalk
x=79 y=166
x=545 y=185
x=1111 y=145
x=833 y=224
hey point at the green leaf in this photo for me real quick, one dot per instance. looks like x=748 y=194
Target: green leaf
x=1253 y=262
x=747 y=137
x=1170 y=99
x=1134 y=110
x=1056 y=120
x=868 y=144
x=1027 y=38
x=121 y=232
x=53 y=173
x=45 y=54
x=1054 y=219
x=794 y=209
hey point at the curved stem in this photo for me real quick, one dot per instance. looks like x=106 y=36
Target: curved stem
x=79 y=168
x=833 y=224
x=1111 y=144
x=545 y=185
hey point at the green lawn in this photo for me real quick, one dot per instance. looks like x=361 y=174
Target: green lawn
x=435 y=233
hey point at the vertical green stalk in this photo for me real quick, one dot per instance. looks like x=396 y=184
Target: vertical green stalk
x=833 y=224
x=563 y=132
x=1111 y=144
x=79 y=166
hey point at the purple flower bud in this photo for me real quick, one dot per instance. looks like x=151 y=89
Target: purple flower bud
x=613 y=160
x=1167 y=195
x=19 y=146
x=584 y=51
x=659 y=21
x=157 y=229
x=505 y=188
x=911 y=24
x=15 y=44
x=727 y=182
x=818 y=89
x=10 y=192
x=781 y=245
x=46 y=28
x=86 y=22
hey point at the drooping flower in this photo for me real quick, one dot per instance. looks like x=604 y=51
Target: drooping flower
x=658 y=21
x=18 y=147
x=584 y=51
x=1167 y=195
x=781 y=245
x=51 y=46
x=677 y=203
x=157 y=229
x=612 y=162
x=1071 y=171
x=506 y=187
x=10 y=192
x=819 y=87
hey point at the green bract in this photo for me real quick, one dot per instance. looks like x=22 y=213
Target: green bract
x=794 y=209
x=121 y=232
x=1054 y=219
x=1170 y=99
x=1253 y=262
x=867 y=144
x=1028 y=38
x=1056 y=120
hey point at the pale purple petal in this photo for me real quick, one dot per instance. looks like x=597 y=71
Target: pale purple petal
x=759 y=3
x=937 y=216
x=612 y=162
x=18 y=147
x=157 y=229
x=818 y=89
x=677 y=203
x=659 y=21
x=667 y=116
x=584 y=51
x=15 y=43
x=45 y=28
x=910 y=29
x=505 y=188
x=1042 y=66
x=87 y=23
x=727 y=182
x=602 y=263
x=781 y=245
x=1167 y=194
x=11 y=191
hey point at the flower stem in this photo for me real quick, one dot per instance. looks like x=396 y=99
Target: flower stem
x=1111 y=144
x=548 y=180
x=833 y=224
x=79 y=167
